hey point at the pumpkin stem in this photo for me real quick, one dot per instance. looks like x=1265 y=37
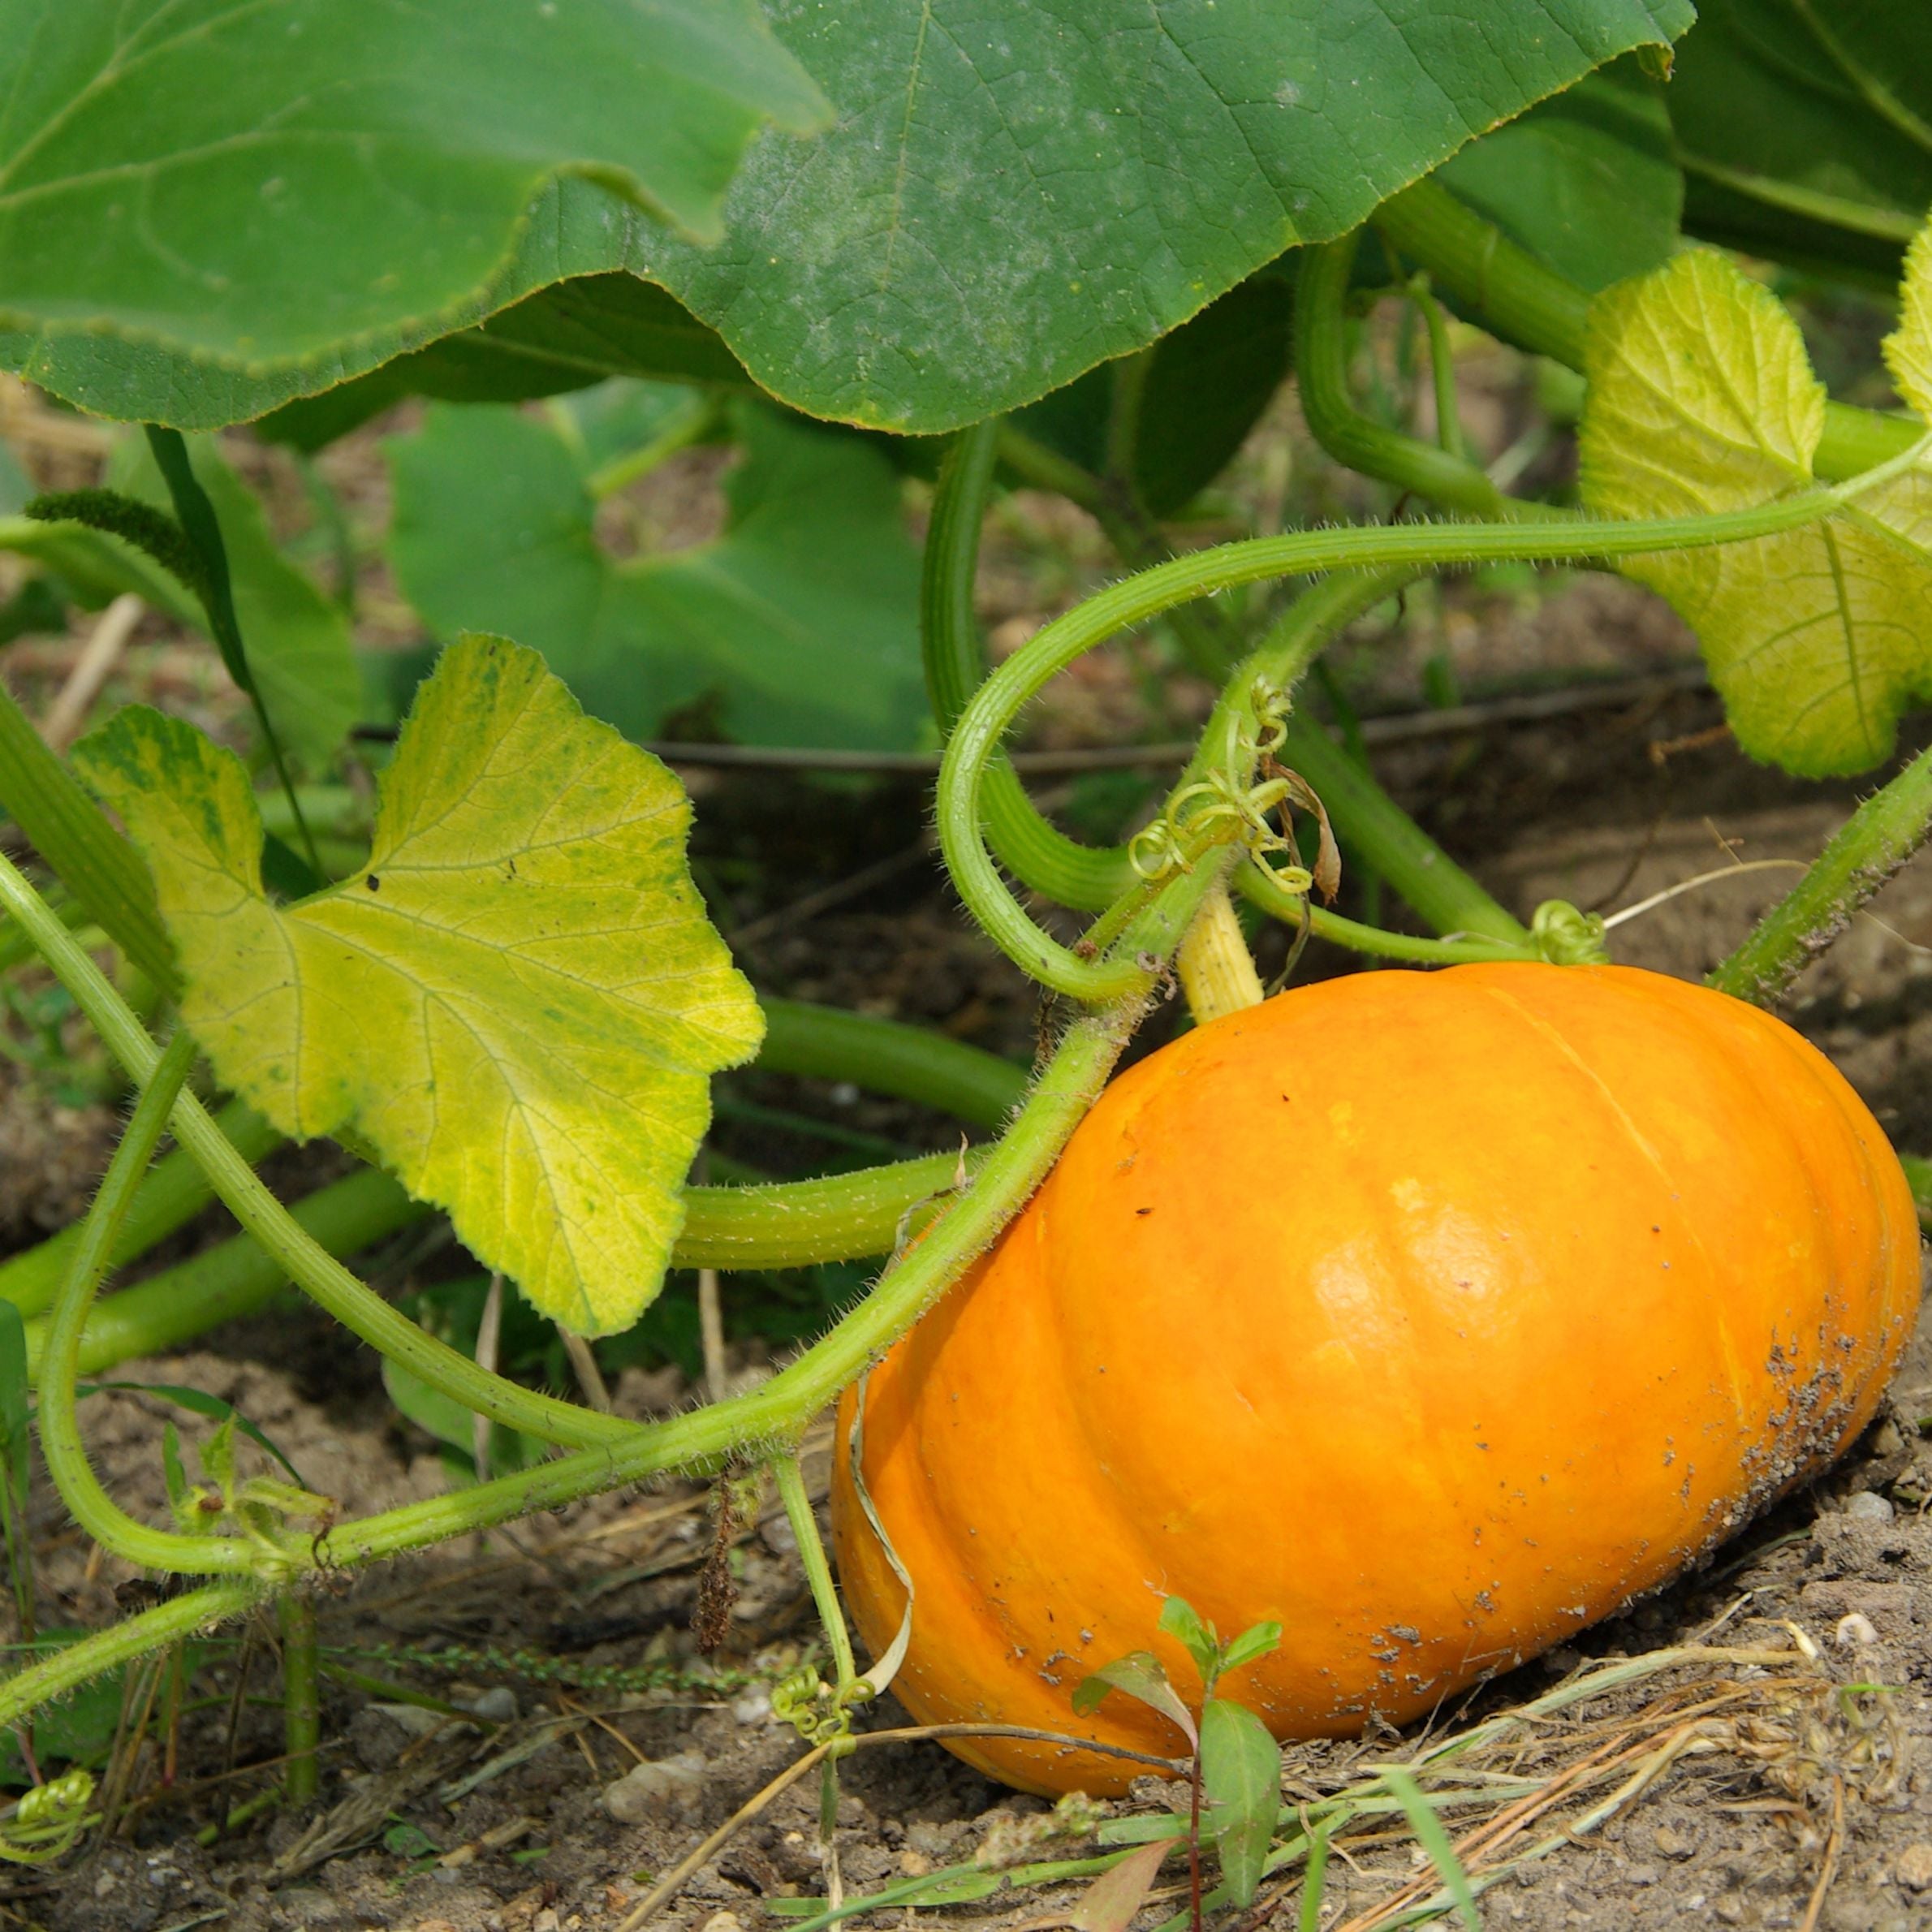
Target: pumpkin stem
x=1217 y=970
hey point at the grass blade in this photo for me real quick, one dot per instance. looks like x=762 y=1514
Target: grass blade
x=1434 y=1840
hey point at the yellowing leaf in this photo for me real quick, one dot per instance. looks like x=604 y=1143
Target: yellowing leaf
x=517 y=1002
x=1909 y=348
x=1701 y=398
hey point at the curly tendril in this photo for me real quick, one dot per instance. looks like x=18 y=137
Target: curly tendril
x=976 y=740
x=1565 y=937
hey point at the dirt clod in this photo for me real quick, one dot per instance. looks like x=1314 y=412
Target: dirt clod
x=1913 y=1866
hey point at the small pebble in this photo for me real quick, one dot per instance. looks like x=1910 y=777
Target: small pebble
x=1854 y=1630
x=754 y=1707
x=648 y=1791
x=1913 y=1866
x=496 y=1705
x=1867 y=1506
x=1674 y=1844
x=724 y=1922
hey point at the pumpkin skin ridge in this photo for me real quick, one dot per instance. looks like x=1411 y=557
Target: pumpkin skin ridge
x=1800 y=1057
x=1899 y=1311
x=1597 y=1089
x=1846 y=1265
x=1896 y=1311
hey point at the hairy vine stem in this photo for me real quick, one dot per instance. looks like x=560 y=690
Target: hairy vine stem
x=1440 y=475
x=1871 y=845
x=60 y=1430
x=779 y=1224
x=233 y=1278
x=765 y=1422
x=242 y=1191
x=999 y=701
x=789 y=1477
x=1090 y=879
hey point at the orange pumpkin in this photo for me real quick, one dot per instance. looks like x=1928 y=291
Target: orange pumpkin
x=1434 y=1315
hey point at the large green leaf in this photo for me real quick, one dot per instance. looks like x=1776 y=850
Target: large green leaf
x=1700 y=398
x=574 y=228
x=1586 y=180
x=265 y=181
x=563 y=337
x=1204 y=387
x=1016 y=192
x=518 y=1002
x=801 y=621
x=1804 y=128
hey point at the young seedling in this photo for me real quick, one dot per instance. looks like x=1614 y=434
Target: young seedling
x=1235 y=1776
x=258 y=1508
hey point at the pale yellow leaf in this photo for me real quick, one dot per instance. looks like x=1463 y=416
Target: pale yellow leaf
x=1701 y=398
x=1909 y=348
x=517 y=1002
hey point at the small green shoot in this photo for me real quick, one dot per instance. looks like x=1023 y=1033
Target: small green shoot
x=405 y=1841
x=226 y=1502
x=1235 y=1782
x=200 y=1403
